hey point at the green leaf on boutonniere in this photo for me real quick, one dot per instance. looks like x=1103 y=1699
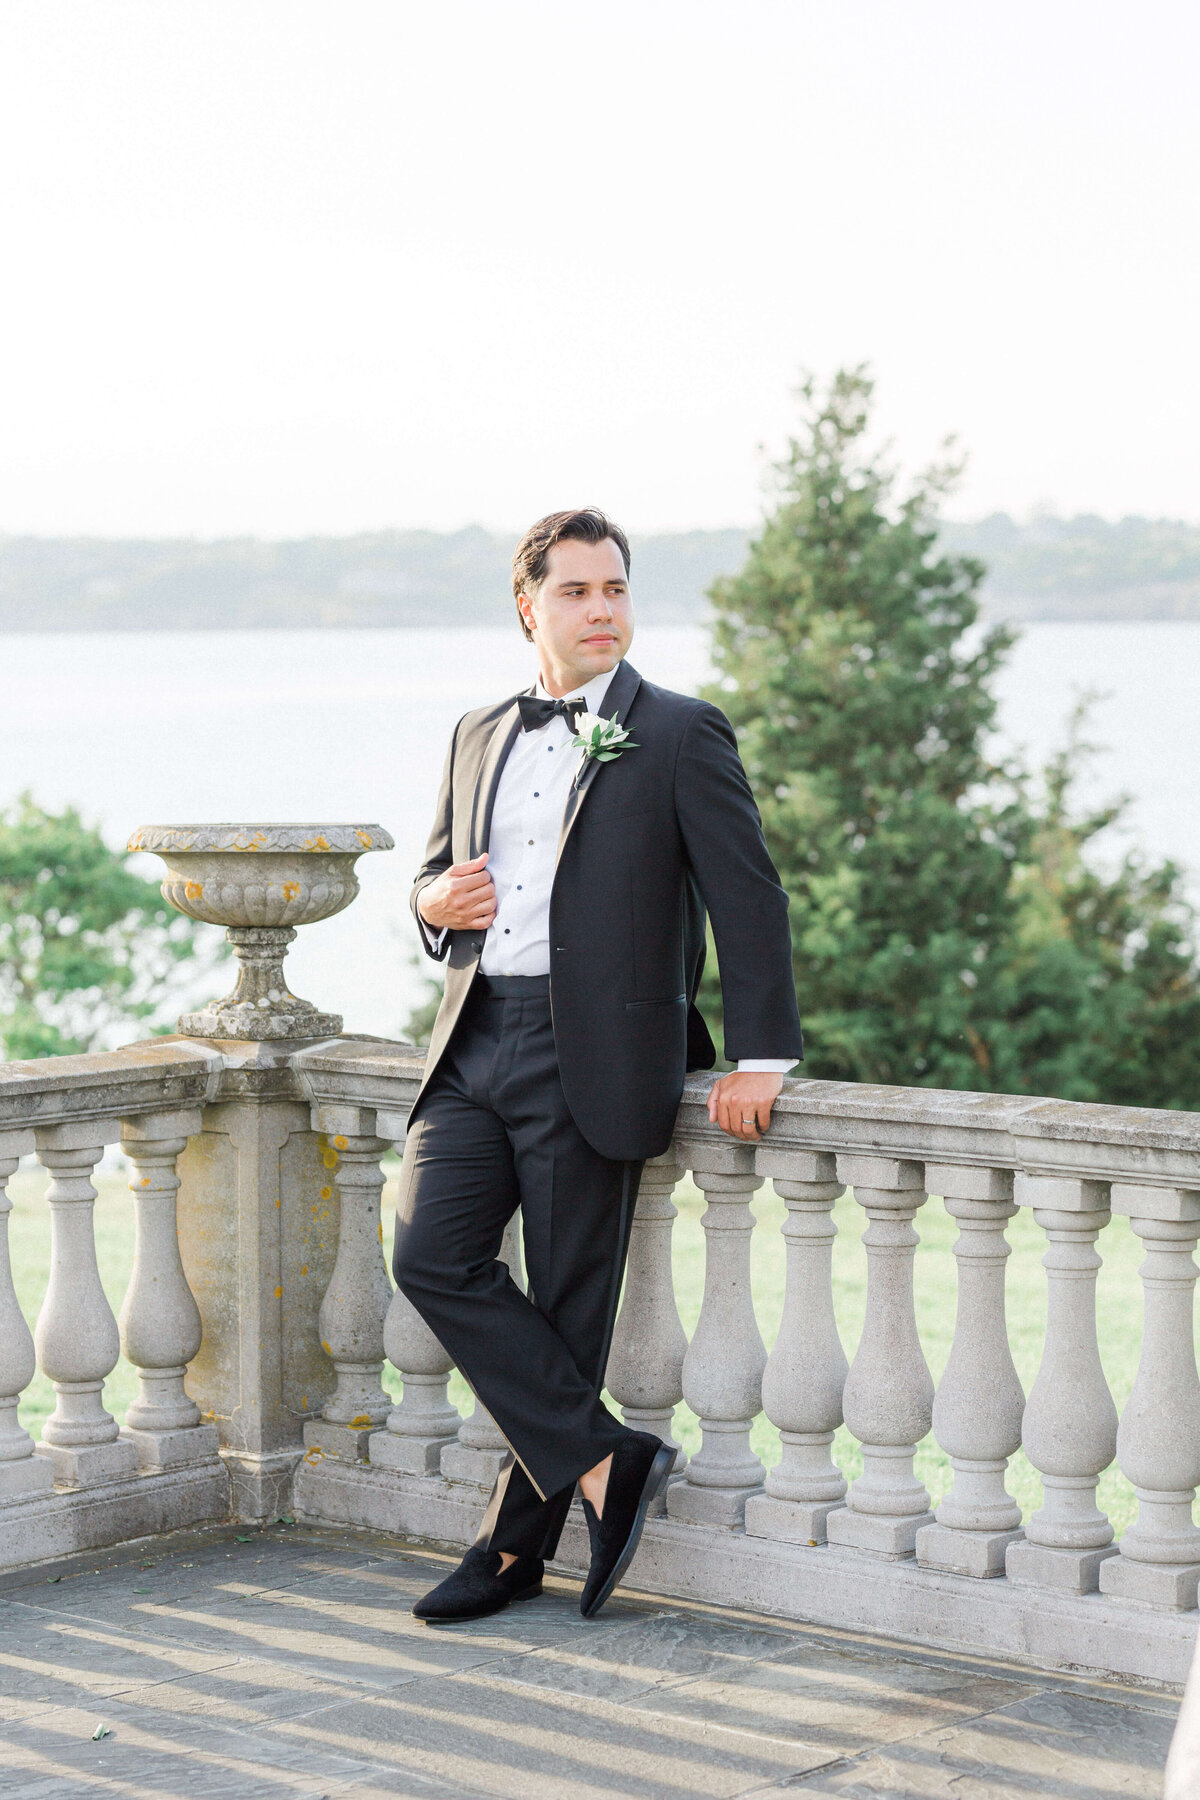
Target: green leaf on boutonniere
x=601 y=740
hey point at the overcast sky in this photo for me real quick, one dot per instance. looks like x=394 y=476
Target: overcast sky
x=282 y=268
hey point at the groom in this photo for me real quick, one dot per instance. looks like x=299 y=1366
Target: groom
x=567 y=892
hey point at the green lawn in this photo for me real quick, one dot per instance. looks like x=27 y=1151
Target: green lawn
x=1119 y=1306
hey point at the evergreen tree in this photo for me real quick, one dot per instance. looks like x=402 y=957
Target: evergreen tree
x=947 y=928
x=1104 y=1000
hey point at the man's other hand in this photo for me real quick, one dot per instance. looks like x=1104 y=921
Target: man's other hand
x=741 y=1103
x=463 y=898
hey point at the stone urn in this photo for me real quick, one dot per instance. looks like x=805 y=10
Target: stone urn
x=260 y=882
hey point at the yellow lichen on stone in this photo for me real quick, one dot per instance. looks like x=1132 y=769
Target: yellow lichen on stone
x=193 y=890
x=279 y=1293
x=339 y=1143
x=329 y=1158
x=326 y=1194
x=360 y=1420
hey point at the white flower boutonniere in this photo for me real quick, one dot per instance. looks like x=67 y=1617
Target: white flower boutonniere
x=601 y=740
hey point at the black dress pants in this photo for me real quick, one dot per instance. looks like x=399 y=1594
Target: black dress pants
x=492 y=1132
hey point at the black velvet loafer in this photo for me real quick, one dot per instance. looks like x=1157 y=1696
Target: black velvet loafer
x=640 y=1467
x=480 y=1587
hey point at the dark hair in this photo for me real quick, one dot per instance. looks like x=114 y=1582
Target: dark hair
x=585 y=525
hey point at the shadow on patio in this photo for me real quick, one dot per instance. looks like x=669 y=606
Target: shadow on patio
x=285 y=1662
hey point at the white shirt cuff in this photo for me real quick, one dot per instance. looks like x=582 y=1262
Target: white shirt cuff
x=764 y=1065
x=434 y=939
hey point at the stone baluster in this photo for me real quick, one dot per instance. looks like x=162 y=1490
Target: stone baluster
x=359 y=1292
x=888 y=1399
x=477 y=1455
x=806 y=1370
x=423 y=1422
x=1158 y=1442
x=723 y=1367
x=645 y=1364
x=76 y=1334
x=21 y=1472
x=978 y=1406
x=1070 y=1425
x=160 y=1321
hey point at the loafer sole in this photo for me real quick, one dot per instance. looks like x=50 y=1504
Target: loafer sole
x=656 y=1481
x=531 y=1592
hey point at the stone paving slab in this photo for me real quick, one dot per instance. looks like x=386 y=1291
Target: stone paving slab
x=637 y=1655
x=535 y=1745
x=845 y=1700
x=289 y=1665
x=1064 y=1745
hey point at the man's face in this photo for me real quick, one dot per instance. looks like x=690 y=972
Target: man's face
x=582 y=615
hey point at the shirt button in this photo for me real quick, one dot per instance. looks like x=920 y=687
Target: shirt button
x=531 y=840
x=536 y=795
x=506 y=929
x=518 y=887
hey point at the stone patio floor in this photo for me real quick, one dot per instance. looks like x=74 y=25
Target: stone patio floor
x=280 y=1663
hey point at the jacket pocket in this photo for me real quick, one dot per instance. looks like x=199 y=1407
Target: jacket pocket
x=671 y=1000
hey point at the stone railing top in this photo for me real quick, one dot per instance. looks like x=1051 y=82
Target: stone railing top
x=372 y=1072
x=292 y=838
x=156 y=1076
x=1032 y=1136
x=1014 y=1131
x=364 y=1055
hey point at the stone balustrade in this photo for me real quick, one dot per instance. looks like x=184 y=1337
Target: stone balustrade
x=260 y=1318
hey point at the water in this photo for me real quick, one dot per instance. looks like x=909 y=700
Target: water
x=143 y=727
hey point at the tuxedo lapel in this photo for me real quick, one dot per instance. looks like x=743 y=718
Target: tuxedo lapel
x=488 y=780
x=616 y=703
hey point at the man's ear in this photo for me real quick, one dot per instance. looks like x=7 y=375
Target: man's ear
x=525 y=608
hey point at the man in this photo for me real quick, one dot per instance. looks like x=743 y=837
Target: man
x=567 y=891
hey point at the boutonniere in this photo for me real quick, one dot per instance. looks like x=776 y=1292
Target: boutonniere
x=601 y=740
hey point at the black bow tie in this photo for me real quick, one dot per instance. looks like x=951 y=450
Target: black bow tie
x=535 y=713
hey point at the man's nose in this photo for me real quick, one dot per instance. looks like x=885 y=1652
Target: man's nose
x=600 y=610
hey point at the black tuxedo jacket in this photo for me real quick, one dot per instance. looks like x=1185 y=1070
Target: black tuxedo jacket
x=649 y=843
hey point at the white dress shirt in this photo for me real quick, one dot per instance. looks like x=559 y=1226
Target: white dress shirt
x=523 y=841
x=523 y=847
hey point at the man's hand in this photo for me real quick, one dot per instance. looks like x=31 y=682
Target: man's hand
x=463 y=898
x=741 y=1103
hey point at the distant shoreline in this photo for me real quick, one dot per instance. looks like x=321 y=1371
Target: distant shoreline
x=498 y=620
x=1067 y=570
